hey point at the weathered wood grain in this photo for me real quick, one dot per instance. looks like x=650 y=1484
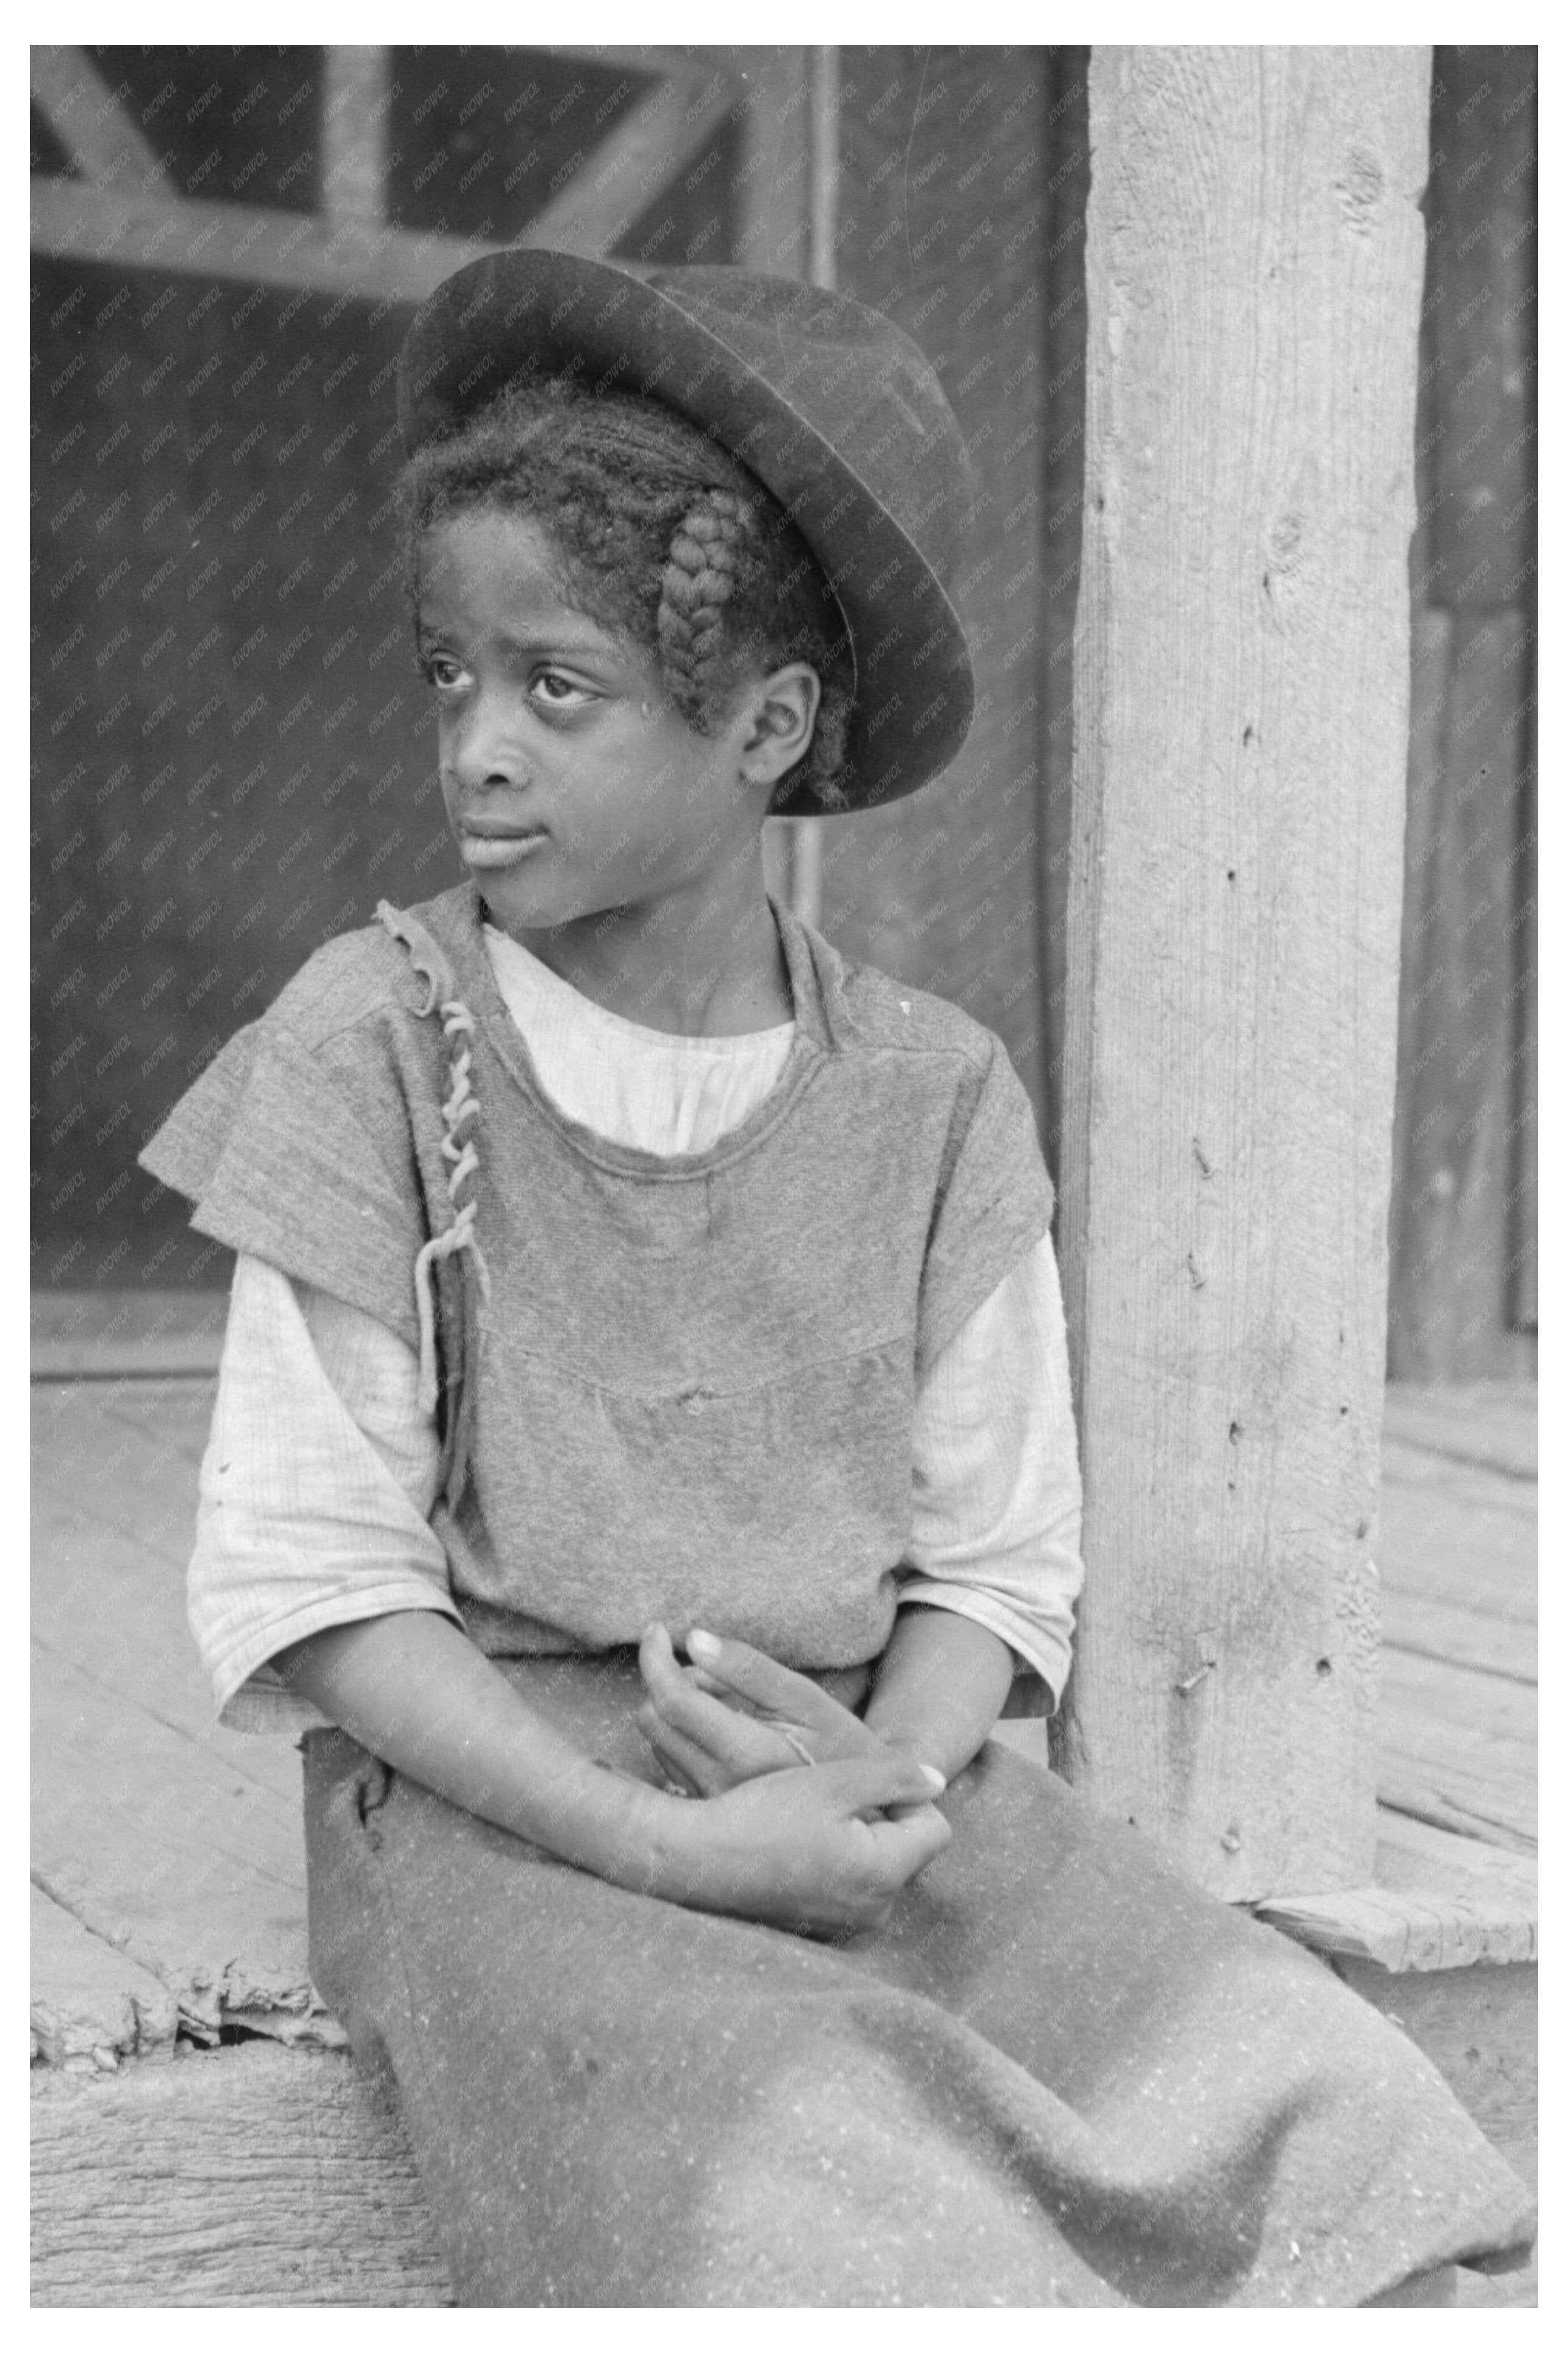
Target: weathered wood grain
x=172 y=1842
x=114 y=1505
x=1241 y=690
x=1429 y=1628
x=251 y=2176
x=1452 y=1772
x=196 y=1874
x=1449 y=1532
x=91 y=2005
x=1435 y=1901
x=1486 y=1716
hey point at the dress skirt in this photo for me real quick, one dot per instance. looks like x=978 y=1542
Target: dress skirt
x=1059 y=2075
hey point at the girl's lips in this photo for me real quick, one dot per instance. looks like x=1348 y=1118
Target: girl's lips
x=493 y=850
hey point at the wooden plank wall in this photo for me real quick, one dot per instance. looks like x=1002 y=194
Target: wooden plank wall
x=1462 y=1299
x=1254 y=274
x=946 y=157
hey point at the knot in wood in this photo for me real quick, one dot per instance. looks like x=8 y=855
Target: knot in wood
x=1359 y=188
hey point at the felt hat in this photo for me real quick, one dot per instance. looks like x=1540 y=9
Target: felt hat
x=827 y=402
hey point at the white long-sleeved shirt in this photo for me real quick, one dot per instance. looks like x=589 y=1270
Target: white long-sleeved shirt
x=321 y=1470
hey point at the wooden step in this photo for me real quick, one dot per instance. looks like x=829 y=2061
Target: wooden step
x=250 y=2176
x=1438 y=1902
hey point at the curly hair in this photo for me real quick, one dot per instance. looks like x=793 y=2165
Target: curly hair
x=658 y=533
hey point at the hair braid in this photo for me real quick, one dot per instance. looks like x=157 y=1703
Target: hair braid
x=700 y=576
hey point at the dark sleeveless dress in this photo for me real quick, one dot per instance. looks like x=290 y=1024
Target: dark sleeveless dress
x=1060 y=2075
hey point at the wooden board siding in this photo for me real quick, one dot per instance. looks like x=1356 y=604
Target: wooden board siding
x=1462 y=1295
x=944 y=157
x=1241 y=666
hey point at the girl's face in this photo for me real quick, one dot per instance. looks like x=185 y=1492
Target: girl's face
x=572 y=784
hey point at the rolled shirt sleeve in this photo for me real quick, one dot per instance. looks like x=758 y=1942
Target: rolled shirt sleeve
x=998 y=1503
x=318 y=1475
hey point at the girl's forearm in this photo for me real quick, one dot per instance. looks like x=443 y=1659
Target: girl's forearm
x=419 y=1693
x=413 y=1688
x=940 y=1684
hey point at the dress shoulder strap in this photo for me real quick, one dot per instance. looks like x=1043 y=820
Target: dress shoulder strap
x=458 y=1239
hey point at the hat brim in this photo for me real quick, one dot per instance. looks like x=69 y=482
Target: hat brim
x=534 y=310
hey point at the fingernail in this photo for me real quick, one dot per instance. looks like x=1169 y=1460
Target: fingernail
x=933 y=1776
x=699 y=1645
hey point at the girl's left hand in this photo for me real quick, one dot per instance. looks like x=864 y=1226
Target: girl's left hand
x=706 y=1746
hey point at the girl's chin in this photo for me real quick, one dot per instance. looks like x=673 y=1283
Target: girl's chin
x=521 y=898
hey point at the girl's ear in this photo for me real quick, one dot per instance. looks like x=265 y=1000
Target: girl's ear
x=780 y=715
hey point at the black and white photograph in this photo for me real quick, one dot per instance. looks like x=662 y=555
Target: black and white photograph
x=782 y=1264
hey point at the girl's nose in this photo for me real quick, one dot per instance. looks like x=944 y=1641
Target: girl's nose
x=483 y=749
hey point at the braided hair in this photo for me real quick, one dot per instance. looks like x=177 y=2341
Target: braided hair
x=660 y=535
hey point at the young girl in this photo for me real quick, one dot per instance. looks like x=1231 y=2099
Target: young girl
x=643 y=1452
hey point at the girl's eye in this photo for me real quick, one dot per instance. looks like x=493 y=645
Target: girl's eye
x=558 y=692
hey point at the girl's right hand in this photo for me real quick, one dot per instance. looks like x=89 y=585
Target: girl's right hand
x=807 y=1848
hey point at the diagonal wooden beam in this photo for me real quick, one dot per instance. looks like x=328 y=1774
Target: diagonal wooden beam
x=604 y=190
x=89 y=120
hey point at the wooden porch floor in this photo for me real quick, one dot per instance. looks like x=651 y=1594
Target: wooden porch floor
x=168 y=1873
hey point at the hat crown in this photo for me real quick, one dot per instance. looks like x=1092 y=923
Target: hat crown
x=855 y=378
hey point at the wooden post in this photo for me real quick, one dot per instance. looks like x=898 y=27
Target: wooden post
x=356 y=103
x=1242 y=687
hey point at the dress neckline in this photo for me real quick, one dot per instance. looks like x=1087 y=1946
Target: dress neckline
x=460 y=918
x=587 y=1010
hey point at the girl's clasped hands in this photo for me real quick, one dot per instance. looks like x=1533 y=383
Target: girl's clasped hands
x=812 y=1820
